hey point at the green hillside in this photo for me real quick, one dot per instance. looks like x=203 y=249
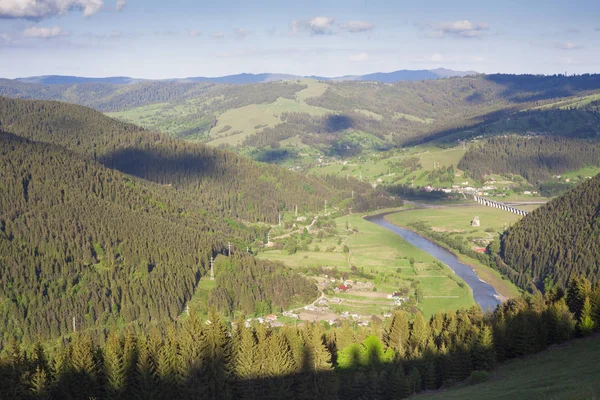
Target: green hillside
x=327 y=116
x=88 y=246
x=557 y=241
x=567 y=372
x=221 y=181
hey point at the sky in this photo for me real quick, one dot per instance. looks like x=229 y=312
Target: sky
x=157 y=39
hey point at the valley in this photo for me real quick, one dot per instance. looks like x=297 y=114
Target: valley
x=296 y=220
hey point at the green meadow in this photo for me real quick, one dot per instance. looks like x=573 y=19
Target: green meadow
x=392 y=262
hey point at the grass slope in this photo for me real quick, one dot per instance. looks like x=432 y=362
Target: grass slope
x=566 y=372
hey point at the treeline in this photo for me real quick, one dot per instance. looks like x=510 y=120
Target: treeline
x=207 y=360
x=557 y=241
x=85 y=245
x=111 y=97
x=534 y=158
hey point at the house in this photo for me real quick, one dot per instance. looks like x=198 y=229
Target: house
x=271 y=317
x=343 y=288
x=481 y=250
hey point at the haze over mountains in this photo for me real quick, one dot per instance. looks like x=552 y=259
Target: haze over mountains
x=385 y=77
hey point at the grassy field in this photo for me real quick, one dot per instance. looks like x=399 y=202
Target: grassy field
x=387 y=257
x=387 y=170
x=568 y=372
x=456 y=221
x=413 y=118
x=245 y=120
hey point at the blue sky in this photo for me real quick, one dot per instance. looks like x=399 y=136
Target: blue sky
x=165 y=39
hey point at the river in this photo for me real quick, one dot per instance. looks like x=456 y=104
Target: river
x=485 y=295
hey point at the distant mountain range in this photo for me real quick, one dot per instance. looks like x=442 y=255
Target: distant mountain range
x=385 y=77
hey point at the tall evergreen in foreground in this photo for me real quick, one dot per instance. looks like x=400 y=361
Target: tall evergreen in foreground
x=204 y=359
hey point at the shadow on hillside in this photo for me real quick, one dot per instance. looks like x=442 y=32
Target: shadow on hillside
x=555 y=122
x=539 y=87
x=337 y=122
x=166 y=165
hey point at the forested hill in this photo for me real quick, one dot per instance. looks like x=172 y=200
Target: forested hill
x=534 y=158
x=558 y=241
x=252 y=116
x=84 y=244
x=222 y=182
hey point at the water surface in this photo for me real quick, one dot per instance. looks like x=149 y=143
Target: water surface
x=483 y=292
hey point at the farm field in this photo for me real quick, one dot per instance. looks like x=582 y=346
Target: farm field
x=389 y=169
x=455 y=221
x=378 y=263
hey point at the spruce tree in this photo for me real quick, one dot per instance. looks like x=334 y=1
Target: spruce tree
x=114 y=370
x=39 y=385
x=245 y=365
x=397 y=335
x=419 y=332
x=215 y=354
x=586 y=323
x=484 y=355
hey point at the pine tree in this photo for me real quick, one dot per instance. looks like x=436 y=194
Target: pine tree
x=317 y=380
x=114 y=370
x=39 y=384
x=215 y=356
x=83 y=366
x=484 y=355
x=586 y=323
x=397 y=335
x=419 y=332
x=415 y=380
x=245 y=365
x=279 y=366
x=396 y=385
x=145 y=382
x=168 y=370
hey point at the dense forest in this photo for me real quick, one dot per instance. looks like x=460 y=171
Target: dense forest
x=222 y=182
x=86 y=245
x=197 y=359
x=537 y=159
x=112 y=97
x=557 y=241
x=83 y=244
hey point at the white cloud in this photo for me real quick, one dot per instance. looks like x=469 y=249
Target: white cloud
x=320 y=25
x=359 y=57
x=38 y=9
x=316 y=25
x=357 y=26
x=241 y=32
x=567 y=46
x=194 y=33
x=218 y=35
x=462 y=28
x=120 y=5
x=44 y=33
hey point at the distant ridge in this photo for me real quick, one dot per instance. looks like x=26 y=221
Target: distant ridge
x=70 y=80
x=384 y=77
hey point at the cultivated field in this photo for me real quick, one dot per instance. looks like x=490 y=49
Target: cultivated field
x=378 y=263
